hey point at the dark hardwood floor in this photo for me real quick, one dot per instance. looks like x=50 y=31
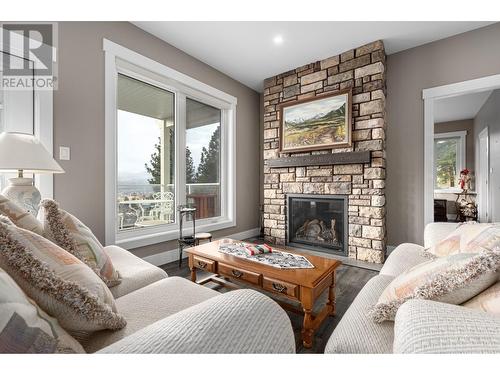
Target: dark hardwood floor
x=350 y=280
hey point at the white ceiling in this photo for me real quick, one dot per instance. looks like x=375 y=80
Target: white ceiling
x=462 y=107
x=246 y=52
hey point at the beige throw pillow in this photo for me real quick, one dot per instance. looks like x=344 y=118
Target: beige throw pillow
x=19 y=216
x=488 y=301
x=72 y=235
x=453 y=279
x=60 y=284
x=469 y=238
x=25 y=328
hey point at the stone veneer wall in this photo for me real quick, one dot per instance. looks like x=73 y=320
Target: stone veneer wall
x=363 y=70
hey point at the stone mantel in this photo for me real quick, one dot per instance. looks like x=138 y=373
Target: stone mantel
x=356 y=157
x=357 y=171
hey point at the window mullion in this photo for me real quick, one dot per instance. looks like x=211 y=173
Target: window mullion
x=224 y=163
x=180 y=144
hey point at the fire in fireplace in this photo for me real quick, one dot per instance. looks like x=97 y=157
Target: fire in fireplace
x=318 y=222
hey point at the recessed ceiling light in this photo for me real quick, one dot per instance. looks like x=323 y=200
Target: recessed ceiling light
x=278 y=39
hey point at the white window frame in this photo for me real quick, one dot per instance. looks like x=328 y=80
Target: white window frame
x=461 y=157
x=119 y=59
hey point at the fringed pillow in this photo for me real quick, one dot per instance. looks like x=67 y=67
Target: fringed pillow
x=19 y=216
x=25 y=328
x=469 y=238
x=453 y=279
x=59 y=283
x=488 y=301
x=72 y=235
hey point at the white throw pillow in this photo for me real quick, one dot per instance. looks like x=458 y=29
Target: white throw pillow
x=60 y=284
x=453 y=279
x=26 y=328
x=66 y=231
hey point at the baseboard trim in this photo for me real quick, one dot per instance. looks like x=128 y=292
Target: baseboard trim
x=173 y=255
x=164 y=257
x=246 y=234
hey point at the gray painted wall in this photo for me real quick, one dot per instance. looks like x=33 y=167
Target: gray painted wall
x=466 y=56
x=489 y=116
x=79 y=120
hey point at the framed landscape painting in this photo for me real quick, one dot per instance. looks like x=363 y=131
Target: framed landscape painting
x=318 y=123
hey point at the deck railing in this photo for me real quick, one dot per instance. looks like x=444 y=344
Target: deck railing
x=205 y=196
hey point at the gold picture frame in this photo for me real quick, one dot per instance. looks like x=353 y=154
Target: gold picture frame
x=318 y=123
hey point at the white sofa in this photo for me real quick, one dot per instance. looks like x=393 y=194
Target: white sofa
x=173 y=315
x=421 y=326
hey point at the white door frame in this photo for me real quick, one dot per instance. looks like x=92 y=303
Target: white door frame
x=484 y=199
x=429 y=96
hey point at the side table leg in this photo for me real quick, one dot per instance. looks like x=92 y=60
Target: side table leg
x=307 y=331
x=193 y=274
x=192 y=268
x=307 y=327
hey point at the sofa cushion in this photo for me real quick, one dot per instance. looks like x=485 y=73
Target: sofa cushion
x=19 y=216
x=150 y=304
x=453 y=279
x=436 y=232
x=488 y=300
x=134 y=272
x=72 y=235
x=428 y=327
x=25 y=327
x=60 y=284
x=238 y=322
x=468 y=238
x=356 y=333
x=402 y=258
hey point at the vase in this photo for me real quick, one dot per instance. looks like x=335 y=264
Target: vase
x=23 y=192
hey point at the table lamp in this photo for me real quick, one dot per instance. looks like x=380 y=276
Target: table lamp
x=24 y=153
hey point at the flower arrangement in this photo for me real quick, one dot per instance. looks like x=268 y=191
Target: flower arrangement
x=464 y=180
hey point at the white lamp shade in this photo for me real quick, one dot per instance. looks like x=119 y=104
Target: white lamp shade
x=24 y=152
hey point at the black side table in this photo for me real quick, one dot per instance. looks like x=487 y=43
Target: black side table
x=186 y=212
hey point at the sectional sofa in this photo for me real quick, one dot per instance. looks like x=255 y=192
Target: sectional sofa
x=173 y=315
x=421 y=326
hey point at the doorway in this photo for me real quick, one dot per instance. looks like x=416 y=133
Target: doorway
x=450 y=98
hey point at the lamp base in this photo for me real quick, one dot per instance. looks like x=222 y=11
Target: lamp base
x=24 y=193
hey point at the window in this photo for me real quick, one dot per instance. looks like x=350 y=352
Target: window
x=146 y=155
x=449 y=160
x=203 y=125
x=169 y=141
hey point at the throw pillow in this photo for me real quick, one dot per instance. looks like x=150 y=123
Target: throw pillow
x=59 y=283
x=469 y=238
x=25 y=328
x=453 y=279
x=488 y=301
x=19 y=216
x=72 y=235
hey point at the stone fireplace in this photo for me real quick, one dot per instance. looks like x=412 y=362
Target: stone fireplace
x=356 y=172
x=318 y=222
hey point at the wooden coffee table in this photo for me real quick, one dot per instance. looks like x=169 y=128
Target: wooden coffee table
x=300 y=285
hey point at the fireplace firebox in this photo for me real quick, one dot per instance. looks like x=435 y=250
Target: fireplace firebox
x=318 y=222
